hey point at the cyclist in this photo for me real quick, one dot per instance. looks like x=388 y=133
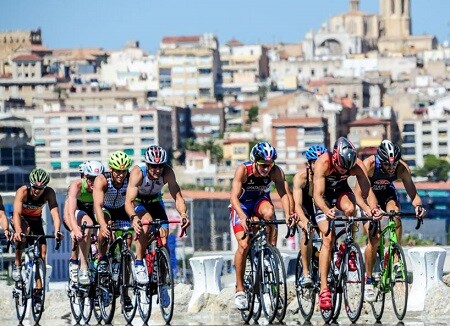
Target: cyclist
x=109 y=206
x=304 y=206
x=250 y=198
x=383 y=169
x=144 y=201
x=330 y=185
x=27 y=217
x=79 y=210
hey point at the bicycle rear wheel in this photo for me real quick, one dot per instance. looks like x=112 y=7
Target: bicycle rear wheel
x=399 y=281
x=378 y=304
x=282 y=294
x=270 y=283
x=249 y=281
x=38 y=298
x=73 y=301
x=128 y=286
x=20 y=297
x=165 y=284
x=106 y=297
x=353 y=282
x=306 y=295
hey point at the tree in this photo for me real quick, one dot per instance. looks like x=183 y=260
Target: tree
x=434 y=168
x=252 y=114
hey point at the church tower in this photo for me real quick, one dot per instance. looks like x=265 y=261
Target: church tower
x=395 y=19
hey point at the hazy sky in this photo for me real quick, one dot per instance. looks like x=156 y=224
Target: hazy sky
x=111 y=23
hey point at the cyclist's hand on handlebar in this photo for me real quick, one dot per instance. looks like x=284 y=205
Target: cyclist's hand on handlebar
x=59 y=235
x=420 y=211
x=244 y=224
x=76 y=233
x=376 y=213
x=104 y=230
x=18 y=236
x=331 y=214
x=8 y=235
x=137 y=225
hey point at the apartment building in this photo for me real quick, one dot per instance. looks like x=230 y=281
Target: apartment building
x=293 y=136
x=188 y=69
x=208 y=122
x=85 y=126
x=243 y=68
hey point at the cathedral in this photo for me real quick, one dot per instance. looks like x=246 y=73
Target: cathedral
x=357 y=32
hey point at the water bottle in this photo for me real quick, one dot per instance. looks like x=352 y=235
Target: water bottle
x=339 y=255
x=386 y=258
x=94 y=250
x=149 y=258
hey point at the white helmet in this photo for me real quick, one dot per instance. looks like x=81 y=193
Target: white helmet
x=93 y=168
x=155 y=155
x=81 y=167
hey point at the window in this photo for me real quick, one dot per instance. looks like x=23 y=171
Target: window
x=128 y=119
x=112 y=130
x=93 y=153
x=129 y=151
x=74 y=119
x=75 y=164
x=95 y=130
x=147 y=117
x=37 y=121
x=54 y=120
x=75 y=153
x=127 y=130
x=146 y=128
x=91 y=118
x=112 y=119
x=55 y=154
x=75 y=142
x=55 y=165
x=409 y=127
x=93 y=141
x=73 y=131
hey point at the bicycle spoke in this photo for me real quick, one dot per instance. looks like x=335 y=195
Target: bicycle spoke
x=128 y=289
x=269 y=289
x=38 y=296
x=378 y=305
x=249 y=275
x=306 y=295
x=354 y=282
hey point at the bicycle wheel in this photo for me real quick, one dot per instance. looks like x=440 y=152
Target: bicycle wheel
x=128 y=287
x=106 y=296
x=38 y=297
x=73 y=301
x=306 y=295
x=20 y=297
x=282 y=294
x=335 y=288
x=353 y=281
x=270 y=283
x=249 y=280
x=399 y=281
x=86 y=304
x=378 y=304
x=165 y=284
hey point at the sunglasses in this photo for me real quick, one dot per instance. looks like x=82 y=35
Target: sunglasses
x=90 y=178
x=119 y=171
x=389 y=165
x=156 y=166
x=38 y=188
x=265 y=164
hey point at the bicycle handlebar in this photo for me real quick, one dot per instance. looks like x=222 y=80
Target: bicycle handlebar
x=393 y=213
x=332 y=223
x=290 y=230
x=158 y=223
x=46 y=236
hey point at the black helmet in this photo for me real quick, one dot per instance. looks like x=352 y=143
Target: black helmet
x=344 y=153
x=389 y=152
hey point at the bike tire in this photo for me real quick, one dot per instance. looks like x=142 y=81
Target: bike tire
x=128 y=287
x=38 y=268
x=399 y=282
x=306 y=296
x=165 y=284
x=380 y=294
x=354 y=282
x=270 y=283
x=106 y=296
x=335 y=288
x=282 y=294
x=20 y=296
x=87 y=305
x=73 y=302
x=249 y=281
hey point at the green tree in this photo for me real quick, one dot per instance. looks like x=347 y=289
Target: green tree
x=252 y=114
x=434 y=168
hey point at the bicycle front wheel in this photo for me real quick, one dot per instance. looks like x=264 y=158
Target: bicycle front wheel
x=38 y=297
x=270 y=283
x=106 y=297
x=399 y=281
x=165 y=284
x=282 y=294
x=306 y=295
x=353 y=282
x=73 y=301
x=249 y=281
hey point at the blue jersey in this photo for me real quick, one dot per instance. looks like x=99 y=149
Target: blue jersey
x=255 y=187
x=380 y=180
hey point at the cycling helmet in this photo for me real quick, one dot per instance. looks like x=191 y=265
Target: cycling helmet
x=252 y=157
x=81 y=167
x=39 y=177
x=344 y=153
x=314 y=152
x=93 y=168
x=389 y=152
x=120 y=161
x=263 y=151
x=155 y=155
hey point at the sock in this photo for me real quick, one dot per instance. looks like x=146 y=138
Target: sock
x=73 y=261
x=139 y=262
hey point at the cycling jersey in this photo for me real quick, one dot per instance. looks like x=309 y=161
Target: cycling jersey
x=32 y=208
x=307 y=201
x=85 y=201
x=115 y=197
x=254 y=187
x=383 y=185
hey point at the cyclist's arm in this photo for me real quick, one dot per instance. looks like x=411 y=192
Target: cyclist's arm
x=297 y=193
x=175 y=191
x=278 y=178
x=405 y=175
x=320 y=172
x=71 y=203
x=19 y=199
x=98 y=194
x=53 y=206
x=132 y=191
x=240 y=176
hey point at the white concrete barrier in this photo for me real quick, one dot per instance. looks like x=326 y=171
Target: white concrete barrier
x=286 y=259
x=427 y=267
x=207 y=272
x=48 y=274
